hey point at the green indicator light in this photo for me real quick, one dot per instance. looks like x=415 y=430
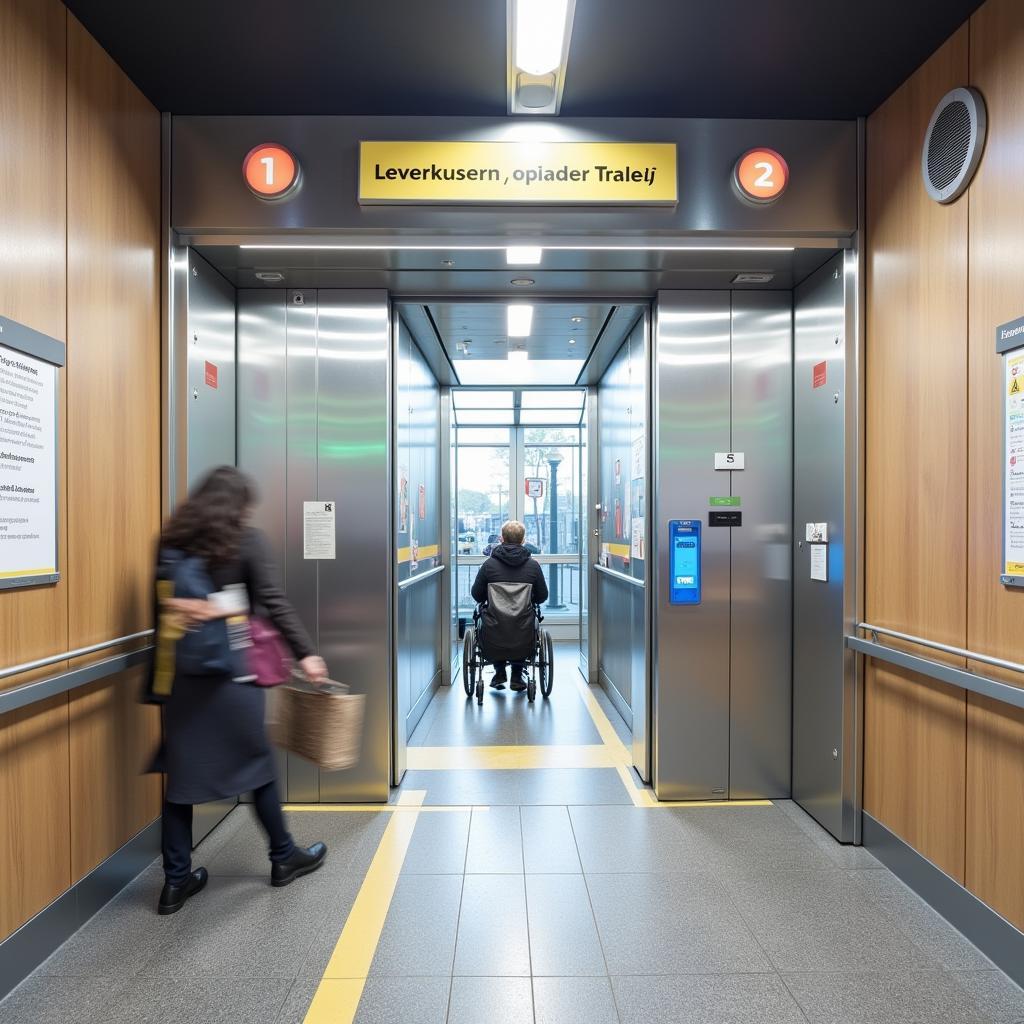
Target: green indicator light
x=720 y=502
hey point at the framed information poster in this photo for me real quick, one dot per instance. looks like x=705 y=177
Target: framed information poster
x=1010 y=344
x=29 y=362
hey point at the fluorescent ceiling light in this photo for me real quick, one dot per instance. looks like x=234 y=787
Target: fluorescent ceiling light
x=539 y=35
x=579 y=247
x=523 y=255
x=514 y=374
x=520 y=320
x=518 y=355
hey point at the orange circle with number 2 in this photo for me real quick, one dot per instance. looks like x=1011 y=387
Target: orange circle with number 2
x=762 y=175
x=270 y=170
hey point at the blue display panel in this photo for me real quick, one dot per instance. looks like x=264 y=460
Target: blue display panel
x=684 y=561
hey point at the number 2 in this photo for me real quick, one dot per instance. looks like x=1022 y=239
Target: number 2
x=765 y=180
x=268 y=162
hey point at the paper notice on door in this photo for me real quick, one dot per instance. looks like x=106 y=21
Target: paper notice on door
x=819 y=562
x=636 y=545
x=318 y=529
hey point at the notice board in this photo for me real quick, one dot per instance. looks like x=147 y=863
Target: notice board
x=29 y=363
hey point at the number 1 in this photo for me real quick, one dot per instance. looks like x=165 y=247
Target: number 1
x=268 y=162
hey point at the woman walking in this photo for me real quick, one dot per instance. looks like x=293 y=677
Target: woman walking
x=215 y=744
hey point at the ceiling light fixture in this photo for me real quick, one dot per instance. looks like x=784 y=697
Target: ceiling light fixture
x=572 y=341
x=520 y=320
x=523 y=255
x=522 y=282
x=575 y=319
x=269 y=275
x=536 y=54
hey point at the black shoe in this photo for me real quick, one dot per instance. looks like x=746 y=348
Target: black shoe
x=498 y=682
x=172 y=899
x=300 y=863
x=517 y=684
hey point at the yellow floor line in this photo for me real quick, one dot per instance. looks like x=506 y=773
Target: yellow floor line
x=337 y=997
x=622 y=760
x=502 y=757
x=380 y=808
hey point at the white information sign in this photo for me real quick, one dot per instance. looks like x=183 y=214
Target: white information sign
x=28 y=469
x=729 y=460
x=819 y=562
x=636 y=545
x=1013 y=466
x=318 y=529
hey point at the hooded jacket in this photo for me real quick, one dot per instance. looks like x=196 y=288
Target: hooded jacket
x=510 y=563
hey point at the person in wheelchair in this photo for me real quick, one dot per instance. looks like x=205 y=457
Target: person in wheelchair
x=510 y=562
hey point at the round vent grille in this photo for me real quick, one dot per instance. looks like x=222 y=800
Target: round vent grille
x=953 y=144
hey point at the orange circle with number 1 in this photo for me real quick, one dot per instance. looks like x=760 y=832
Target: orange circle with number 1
x=761 y=175
x=270 y=171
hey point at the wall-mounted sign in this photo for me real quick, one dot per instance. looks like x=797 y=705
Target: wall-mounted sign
x=761 y=175
x=1010 y=343
x=271 y=171
x=730 y=460
x=210 y=374
x=552 y=173
x=28 y=455
x=819 y=375
x=534 y=487
x=318 y=531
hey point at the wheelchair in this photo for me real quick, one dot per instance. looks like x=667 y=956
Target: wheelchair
x=507 y=627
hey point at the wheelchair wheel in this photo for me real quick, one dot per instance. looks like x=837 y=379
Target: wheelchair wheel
x=547 y=664
x=469 y=661
x=531 y=690
x=480 y=684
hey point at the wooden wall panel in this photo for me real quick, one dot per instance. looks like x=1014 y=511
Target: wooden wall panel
x=995 y=735
x=914 y=766
x=112 y=739
x=916 y=467
x=33 y=620
x=35 y=850
x=114 y=326
x=995 y=807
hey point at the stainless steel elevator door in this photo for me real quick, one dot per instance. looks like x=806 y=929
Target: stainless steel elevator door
x=313 y=419
x=722 y=674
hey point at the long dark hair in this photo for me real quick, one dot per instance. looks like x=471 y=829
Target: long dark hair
x=211 y=522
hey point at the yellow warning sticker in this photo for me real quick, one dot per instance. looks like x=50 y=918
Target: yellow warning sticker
x=1015 y=386
x=1014 y=569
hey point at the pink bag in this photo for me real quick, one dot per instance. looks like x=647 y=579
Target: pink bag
x=269 y=658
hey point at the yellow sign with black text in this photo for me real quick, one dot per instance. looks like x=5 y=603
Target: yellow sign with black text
x=549 y=173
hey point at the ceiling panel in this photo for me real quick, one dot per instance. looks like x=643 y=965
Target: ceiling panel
x=629 y=58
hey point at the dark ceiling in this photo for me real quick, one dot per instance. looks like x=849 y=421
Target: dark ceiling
x=628 y=58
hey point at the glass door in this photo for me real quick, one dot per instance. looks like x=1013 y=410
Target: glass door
x=519 y=455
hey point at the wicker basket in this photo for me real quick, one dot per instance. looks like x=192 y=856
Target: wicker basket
x=324 y=725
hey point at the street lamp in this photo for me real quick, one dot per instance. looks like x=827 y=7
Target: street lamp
x=554 y=460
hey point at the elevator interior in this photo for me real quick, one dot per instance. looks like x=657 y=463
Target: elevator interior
x=357 y=376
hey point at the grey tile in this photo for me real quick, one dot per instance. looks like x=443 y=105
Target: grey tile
x=465 y=787
x=824 y=921
x=573 y=1001
x=438 y=845
x=495 y=841
x=883 y=997
x=418 y=939
x=121 y=937
x=841 y=854
x=572 y=786
x=338 y=902
x=929 y=931
x=46 y=1000
x=549 y=846
x=671 y=924
x=563 y=936
x=493 y=939
x=622 y=730
x=243 y=928
x=404 y=1001
x=707 y=999
x=491 y=1001
x=995 y=995
x=631 y=840
x=189 y=999
x=351 y=839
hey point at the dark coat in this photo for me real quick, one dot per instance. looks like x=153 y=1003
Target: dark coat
x=510 y=563
x=215 y=743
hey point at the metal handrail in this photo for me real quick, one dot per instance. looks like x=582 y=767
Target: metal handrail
x=615 y=574
x=29 y=666
x=960 y=652
x=403 y=584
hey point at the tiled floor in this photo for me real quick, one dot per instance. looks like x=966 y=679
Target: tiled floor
x=546 y=897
